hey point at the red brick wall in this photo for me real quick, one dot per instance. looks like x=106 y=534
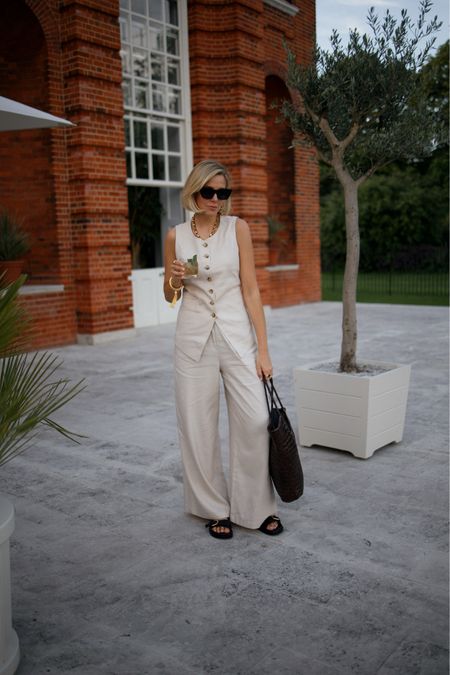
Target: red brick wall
x=33 y=175
x=304 y=284
x=226 y=47
x=26 y=185
x=90 y=43
x=280 y=175
x=51 y=317
x=63 y=56
x=233 y=47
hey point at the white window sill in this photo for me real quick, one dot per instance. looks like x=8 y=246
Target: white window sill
x=41 y=289
x=282 y=268
x=283 y=6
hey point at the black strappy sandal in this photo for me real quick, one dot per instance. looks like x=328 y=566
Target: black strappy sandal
x=268 y=521
x=220 y=523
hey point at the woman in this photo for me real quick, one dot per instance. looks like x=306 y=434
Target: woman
x=220 y=315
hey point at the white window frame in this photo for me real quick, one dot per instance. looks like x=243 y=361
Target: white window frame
x=184 y=120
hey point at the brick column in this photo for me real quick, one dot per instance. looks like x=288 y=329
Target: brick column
x=228 y=104
x=90 y=42
x=290 y=286
x=233 y=46
x=307 y=183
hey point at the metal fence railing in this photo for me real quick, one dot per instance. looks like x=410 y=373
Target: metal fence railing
x=392 y=283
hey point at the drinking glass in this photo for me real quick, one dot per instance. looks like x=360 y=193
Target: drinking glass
x=191 y=267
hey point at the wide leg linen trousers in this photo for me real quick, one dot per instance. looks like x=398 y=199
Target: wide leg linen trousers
x=249 y=498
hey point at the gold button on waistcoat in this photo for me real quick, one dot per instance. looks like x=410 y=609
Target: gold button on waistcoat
x=206 y=267
x=205 y=243
x=206 y=255
x=211 y=290
x=211 y=302
x=213 y=315
x=209 y=279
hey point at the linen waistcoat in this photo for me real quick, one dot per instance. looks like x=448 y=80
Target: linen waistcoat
x=214 y=296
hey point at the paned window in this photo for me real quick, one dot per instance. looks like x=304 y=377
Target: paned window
x=152 y=77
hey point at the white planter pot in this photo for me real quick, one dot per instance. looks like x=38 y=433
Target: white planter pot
x=9 y=643
x=355 y=413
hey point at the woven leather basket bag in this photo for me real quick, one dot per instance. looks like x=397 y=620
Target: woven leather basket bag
x=284 y=461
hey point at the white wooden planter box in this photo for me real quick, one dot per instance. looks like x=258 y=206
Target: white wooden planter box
x=9 y=643
x=355 y=413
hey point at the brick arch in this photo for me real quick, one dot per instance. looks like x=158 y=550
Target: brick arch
x=23 y=55
x=280 y=176
x=26 y=157
x=48 y=17
x=276 y=68
x=279 y=70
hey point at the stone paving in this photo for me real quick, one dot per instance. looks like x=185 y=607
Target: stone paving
x=111 y=578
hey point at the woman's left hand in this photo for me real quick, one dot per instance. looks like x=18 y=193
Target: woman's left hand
x=263 y=365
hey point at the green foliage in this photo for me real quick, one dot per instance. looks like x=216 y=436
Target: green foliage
x=403 y=221
x=281 y=239
x=332 y=228
x=30 y=391
x=403 y=214
x=29 y=395
x=434 y=85
x=363 y=107
x=399 y=288
x=367 y=95
x=13 y=321
x=13 y=240
x=191 y=266
x=274 y=226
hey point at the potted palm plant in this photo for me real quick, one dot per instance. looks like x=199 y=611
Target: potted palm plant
x=14 y=244
x=360 y=107
x=30 y=393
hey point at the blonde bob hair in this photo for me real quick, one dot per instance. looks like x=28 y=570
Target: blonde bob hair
x=200 y=175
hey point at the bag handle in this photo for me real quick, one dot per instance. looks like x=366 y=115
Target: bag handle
x=270 y=391
x=267 y=393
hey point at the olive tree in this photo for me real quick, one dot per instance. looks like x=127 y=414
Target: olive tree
x=361 y=107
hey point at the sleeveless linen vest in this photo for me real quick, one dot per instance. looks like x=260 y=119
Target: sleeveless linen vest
x=214 y=296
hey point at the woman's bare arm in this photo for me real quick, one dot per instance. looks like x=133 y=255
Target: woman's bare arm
x=252 y=297
x=172 y=267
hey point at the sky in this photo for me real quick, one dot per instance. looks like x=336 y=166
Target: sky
x=346 y=14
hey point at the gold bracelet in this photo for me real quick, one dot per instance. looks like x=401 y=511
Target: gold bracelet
x=175 y=288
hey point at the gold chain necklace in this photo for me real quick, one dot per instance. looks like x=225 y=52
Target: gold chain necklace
x=213 y=231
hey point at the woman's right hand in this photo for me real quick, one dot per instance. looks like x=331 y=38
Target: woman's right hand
x=178 y=270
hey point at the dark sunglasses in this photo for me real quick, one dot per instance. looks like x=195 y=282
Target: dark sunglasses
x=209 y=192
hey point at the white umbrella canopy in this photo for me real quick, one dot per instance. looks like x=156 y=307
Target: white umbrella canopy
x=15 y=116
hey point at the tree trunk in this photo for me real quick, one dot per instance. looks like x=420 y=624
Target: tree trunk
x=349 y=324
